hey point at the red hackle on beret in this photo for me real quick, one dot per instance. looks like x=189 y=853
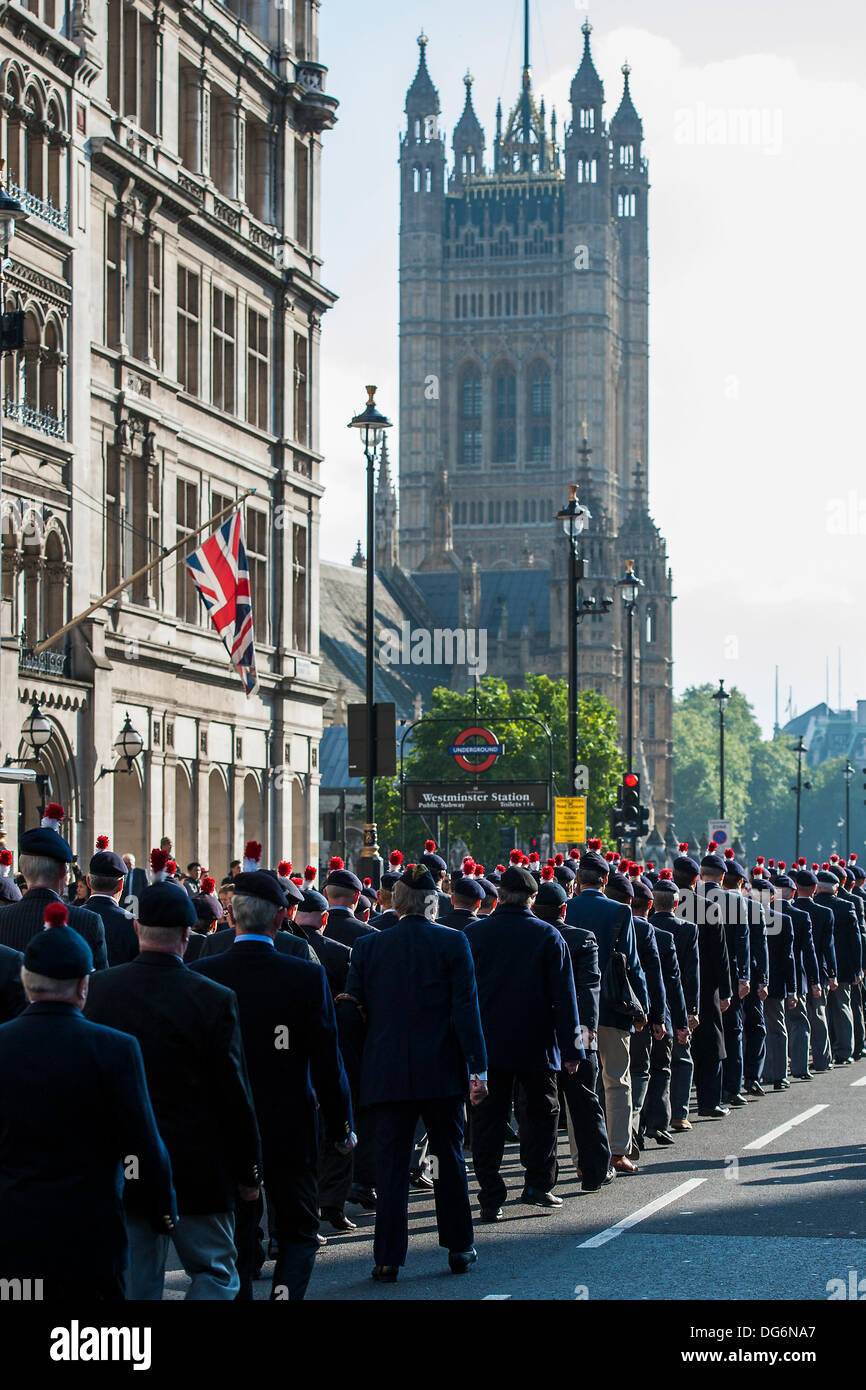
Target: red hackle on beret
x=56 y=915
x=335 y=862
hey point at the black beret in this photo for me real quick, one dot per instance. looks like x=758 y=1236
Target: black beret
x=313 y=901
x=259 y=883
x=343 y=878
x=489 y=887
x=826 y=878
x=838 y=872
x=389 y=878
x=686 y=866
x=551 y=894
x=59 y=953
x=46 y=843
x=369 y=893
x=735 y=869
x=804 y=878
x=591 y=859
x=418 y=876
x=165 y=905
x=466 y=887
x=859 y=874
x=651 y=876
x=106 y=863
x=782 y=881
x=619 y=884
x=715 y=863
x=564 y=875
x=434 y=862
x=516 y=879
x=204 y=909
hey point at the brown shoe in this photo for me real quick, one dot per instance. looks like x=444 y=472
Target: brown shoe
x=622 y=1164
x=681 y=1125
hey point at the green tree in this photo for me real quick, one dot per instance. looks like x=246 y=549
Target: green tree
x=518 y=716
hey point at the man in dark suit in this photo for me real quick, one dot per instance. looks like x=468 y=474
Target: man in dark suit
x=342 y=890
x=587 y=1131
x=612 y=927
x=622 y=889
x=290 y=1043
x=75 y=1118
x=423 y=1049
x=734 y=913
x=190 y=1038
x=438 y=870
x=806 y=976
x=754 y=1039
x=286 y=942
x=822 y=935
x=781 y=986
x=384 y=916
x=466 y=894
x=705 y=906
x=685 y=935
x=654 y=1116
x=531 y=1027
x=43 y=859
x=133 y=884
x=105 y=879
x=12 y=999
x=849 y=963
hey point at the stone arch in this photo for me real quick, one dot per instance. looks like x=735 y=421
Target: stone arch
x=219 y=824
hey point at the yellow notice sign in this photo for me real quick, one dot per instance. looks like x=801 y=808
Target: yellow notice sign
x=569 y=819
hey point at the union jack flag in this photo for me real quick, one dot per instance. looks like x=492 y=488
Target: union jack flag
x=221 y=574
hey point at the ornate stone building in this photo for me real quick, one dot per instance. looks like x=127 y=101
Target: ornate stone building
x=524 y=368
x=168 y=155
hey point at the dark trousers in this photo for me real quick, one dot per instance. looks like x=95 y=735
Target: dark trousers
x=732 y=1071
x=754 y=1037
x=395 y=1139
x=335 y=1177
x=364 y=1155
x=682 y=1071
x=857 y=1009
x=293 y=1204
x=708 y=1082
x=537 y=1116
x=580 y=1093
x=656 y=1113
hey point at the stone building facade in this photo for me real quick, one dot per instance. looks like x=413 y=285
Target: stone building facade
x=524 y=368
x=169 y=156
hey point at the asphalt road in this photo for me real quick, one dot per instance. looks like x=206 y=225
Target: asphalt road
x=727 y=1213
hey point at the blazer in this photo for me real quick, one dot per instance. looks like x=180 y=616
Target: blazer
x=525 y=991
x=650 y=964
x=846 y=937
x=285 y=941
x=121 y=942
x=782 y=979
x=334 y=959
x=9 y=890
x=612 y=927
x=190 y=1038
x=583 y=949
x=676 y=1014
x=12 y=996
x=385 y=919
x=74 y=1109
x=416 y=983
x=685 y=935
x=133 y=885
x=458 y=918
x=759 y=949
x=19 y=923
x=275 y=993
x=806 y=969
x=822 y=934
x=343 y=925
x=705 y=911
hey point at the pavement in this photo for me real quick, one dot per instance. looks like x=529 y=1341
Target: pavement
x=769 y=1203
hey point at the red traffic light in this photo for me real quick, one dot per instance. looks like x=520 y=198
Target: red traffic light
x=630 y=779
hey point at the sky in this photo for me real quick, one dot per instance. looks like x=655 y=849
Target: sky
x=754 y=123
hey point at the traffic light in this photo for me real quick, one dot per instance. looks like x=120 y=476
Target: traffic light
x=533 y=844
x=630 y=803
x=616 y=830
x=643 y=821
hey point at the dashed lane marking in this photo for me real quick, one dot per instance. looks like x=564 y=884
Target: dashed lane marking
x=783 y=1129
x=628 y=1221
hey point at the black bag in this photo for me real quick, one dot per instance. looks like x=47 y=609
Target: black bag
x=616 y=993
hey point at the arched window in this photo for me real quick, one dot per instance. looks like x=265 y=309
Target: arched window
x=651 y=623
x=538 y=415
x=416 y=179
x=55 y=152
x=505 y=417
x=32 y=343
x=586 y=119
x=417 y=128
x=34 y=148
x=587 y=170
x=470 y=418
x=55 y=584
x=625 y=204
x=49 y=377
x=626 y=156
x=428 y=180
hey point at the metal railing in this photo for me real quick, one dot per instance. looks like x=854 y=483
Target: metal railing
x=47 y=663
x=40 y=207
x=44 y=421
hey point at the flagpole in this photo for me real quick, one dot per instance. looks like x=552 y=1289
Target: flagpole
x=145 y=569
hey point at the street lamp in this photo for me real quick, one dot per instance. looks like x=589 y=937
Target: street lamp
x=575 y=519
x=799 y=787
x=36 y=730
x=629 y=587
x=723 y=696
x=371 y=424
x=848 y=774
x=128 y=745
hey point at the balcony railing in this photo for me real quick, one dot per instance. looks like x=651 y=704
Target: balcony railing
x=47 y=663
x=45 y=421
x=39 y=207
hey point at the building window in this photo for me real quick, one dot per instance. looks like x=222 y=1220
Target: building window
x=470 y=418
x=626 y=156
x=187 y=523
x=154 y=300
x=189 y=116
x=257 y=369
x=416 y=179
x=586 y=119
x=428 y=180
x=302 y=194
x=505 y=418
x=625 y=204
x=300 y=28
x=257 y=181
x=302 y=389
x=132 y=58
x=538 y=425
x=223 y=349
x=112 y=297
x=188 y=314
x=651 y=624
x=587 y=170
x=256 y=541
x=300 y=567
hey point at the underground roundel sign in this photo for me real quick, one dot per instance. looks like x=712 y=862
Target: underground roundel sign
x=476 y=750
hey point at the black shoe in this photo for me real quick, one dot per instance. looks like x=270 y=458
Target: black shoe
x=736 y=1100
x=533 y=1198
x=363 y=1197
x=781 y=1085
x=419 y=1179
x=385 y=1274
x=661 y=1136
x=460 y=1260
x=338 y=1219
x=320 y=1241
x=803 y=1075
x=717 y=1113
x=511 y=1135
x=843 y=1062
x=594 y=1187
x=491 y=1214
x=754 y=1088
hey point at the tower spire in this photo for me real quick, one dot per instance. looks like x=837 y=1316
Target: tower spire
x=525 y=34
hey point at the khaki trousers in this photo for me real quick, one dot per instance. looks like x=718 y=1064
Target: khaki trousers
x=613 y=1049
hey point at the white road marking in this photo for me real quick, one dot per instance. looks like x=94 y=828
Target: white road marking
x=613 y=1231
x=861 y=1082
x=783 y=1129
x=489 y=1296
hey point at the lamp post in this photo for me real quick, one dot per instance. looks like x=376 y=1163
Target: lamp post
x=722 y=695
x=799 y=787
x=575 y=519
x=848 y=774
x=371 y=424
x=629 y=587
x=36 y=730
x=128 y=745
